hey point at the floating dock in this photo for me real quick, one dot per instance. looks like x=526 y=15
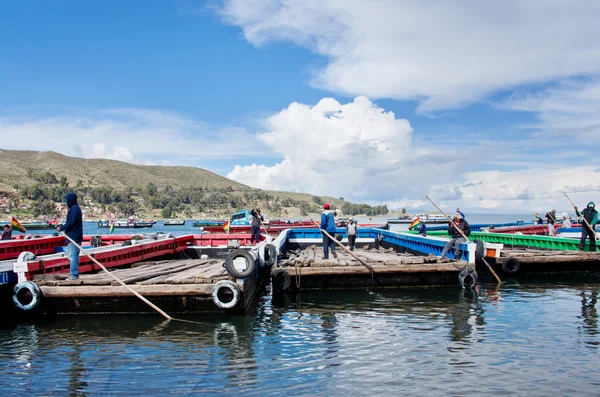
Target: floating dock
x=305 y=269
x=176 y=286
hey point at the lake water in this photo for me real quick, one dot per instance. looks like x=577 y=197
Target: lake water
x=536 y=339
x=91 y=228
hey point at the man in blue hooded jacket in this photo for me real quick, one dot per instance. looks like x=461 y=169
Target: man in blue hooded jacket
x=328 y=225
x=591 y=218
x=73 y=228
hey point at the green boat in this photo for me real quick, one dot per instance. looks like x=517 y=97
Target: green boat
x=522 y=240
x=36 y=225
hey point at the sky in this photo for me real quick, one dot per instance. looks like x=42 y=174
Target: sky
x=487 y=106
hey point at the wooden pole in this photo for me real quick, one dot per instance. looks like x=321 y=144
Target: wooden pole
x=365 y=264
x=465 y=237
x=582 y=217
x=146 y=301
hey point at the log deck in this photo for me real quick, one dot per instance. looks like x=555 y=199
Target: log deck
x=308 y=270
x=176 y=286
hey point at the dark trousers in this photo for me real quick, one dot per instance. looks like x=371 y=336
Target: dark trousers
x=255 y=234
x=351 y=241
x=328 y=244
x=585 y=233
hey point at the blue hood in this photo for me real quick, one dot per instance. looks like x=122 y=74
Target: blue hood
x=71 y=199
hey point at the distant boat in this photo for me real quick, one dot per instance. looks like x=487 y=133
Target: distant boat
x=208 y=222
x=426 y=217
x=174 y=222
x=130 y=223
x=37 y=225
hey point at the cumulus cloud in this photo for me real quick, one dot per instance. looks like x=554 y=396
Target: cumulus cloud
x=139 y=136
x=363 y=153
x=355 y=150
x=443 y=54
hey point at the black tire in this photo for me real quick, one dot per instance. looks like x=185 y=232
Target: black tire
x=233 y=272
x=270 y=255
x=281 y=280
x=231 y=290
x=27 y=296
x=479 y=251
x=467 y=278
x=511 y=266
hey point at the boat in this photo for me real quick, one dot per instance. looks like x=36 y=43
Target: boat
x=207 y=222
x=427 y=217
x=174 y=222
x=36 y=225
x=130 y=223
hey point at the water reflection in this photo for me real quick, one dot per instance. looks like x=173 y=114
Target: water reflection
x=589 y=313
x=392 y=342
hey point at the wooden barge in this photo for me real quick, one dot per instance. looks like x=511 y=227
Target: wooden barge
x=177 y=286
x=304 y=269
x=196 y=284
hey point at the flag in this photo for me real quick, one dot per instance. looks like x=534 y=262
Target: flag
x=226 y=226
x=112 y=227
x=17 y=225
x=415 y=224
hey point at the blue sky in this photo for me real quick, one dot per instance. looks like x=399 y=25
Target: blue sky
x=297 y=95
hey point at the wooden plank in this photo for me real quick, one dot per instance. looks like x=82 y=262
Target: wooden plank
x=351 y=270
x=146 y=290
x=171 y=270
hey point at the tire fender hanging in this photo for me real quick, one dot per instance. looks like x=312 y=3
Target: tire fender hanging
x=21 y=294
x=232 y=287
x=237 y=255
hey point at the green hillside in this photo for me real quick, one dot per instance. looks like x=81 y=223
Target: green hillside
x=31 y=183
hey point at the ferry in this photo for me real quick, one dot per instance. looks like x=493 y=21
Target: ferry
x=129 y=223
x=174 y=222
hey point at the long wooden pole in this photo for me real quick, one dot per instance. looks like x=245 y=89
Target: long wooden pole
x=582 y=217
x=365 y=264
x=146 y=301
x=465 y=237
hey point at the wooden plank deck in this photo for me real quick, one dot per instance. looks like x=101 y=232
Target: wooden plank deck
x=176 y=286
x=308 y=270
x=186 y=271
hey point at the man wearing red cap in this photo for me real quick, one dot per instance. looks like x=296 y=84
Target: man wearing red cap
x=328 y=224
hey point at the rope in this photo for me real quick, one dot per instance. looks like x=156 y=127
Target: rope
x=298 y=274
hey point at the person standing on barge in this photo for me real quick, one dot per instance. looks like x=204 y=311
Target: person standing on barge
x=328 y=225
x=591 y=216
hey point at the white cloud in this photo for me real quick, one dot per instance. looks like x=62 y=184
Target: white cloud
x=133 y=135
x=355 y=150
x=570 y=109
x=363 y=153
x=444 y=54
x=526 y=190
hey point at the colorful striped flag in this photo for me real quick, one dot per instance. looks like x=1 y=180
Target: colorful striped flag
x=226 y=226
x=17 y=225
x=112 y=227
x=415 y=224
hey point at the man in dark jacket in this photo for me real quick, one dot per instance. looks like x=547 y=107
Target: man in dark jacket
x=7 y=232
x=73 y=228
x=256 y=221
x=328 y=225
x=591 y=216
x=551 y=218
x=456 y=238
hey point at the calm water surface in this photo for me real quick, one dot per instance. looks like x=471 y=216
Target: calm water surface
x=528 y=339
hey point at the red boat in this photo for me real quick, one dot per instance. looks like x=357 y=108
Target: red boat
x=274 y=230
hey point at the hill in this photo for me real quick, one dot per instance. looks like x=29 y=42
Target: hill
x=19 y=167
x=34 y=183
